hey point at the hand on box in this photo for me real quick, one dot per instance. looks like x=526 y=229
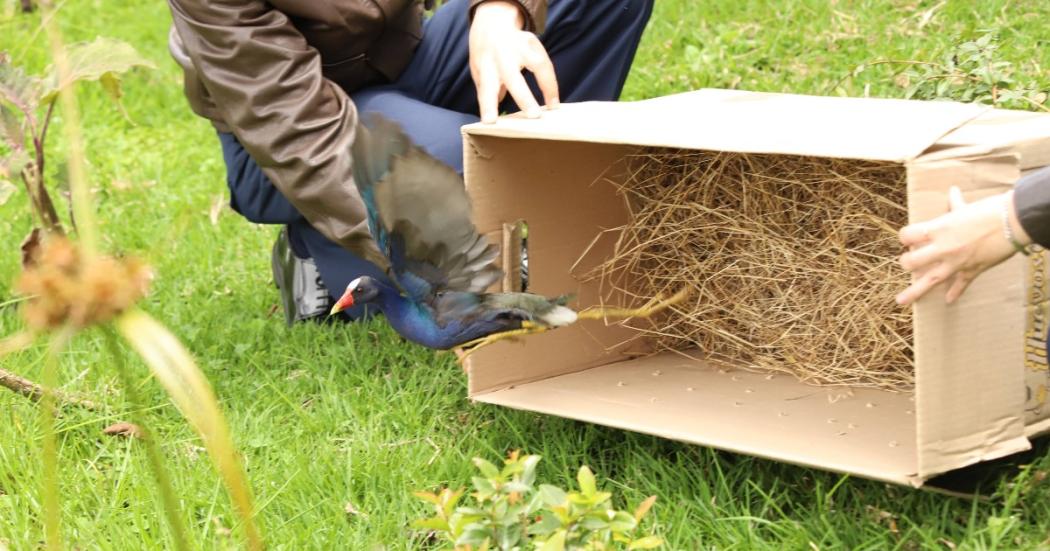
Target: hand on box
x=956 y=247
x=499 y=50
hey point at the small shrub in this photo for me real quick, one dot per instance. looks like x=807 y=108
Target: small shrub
x=510 y=512
x=973 y=72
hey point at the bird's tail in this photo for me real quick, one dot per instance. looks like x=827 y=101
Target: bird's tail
x=654 y=306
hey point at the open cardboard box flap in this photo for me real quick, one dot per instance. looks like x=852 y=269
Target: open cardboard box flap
x=557 y=173
x=751 y=122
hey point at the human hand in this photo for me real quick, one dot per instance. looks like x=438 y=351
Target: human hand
x=499 y=50
x=959 y=245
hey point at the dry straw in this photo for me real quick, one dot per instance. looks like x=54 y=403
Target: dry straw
x=791 y=261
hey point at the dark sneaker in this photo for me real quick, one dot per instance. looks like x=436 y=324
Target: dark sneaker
x=303 y=294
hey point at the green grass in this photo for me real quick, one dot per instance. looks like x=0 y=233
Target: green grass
x=331 y=415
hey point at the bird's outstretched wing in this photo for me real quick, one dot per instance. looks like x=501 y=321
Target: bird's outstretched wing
x=420 y=215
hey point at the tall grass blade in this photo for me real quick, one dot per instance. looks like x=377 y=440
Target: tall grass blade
x=189 y=389
x=156 y=460
x=83 y=212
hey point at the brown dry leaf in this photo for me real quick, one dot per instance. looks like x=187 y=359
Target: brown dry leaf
x=217 y=205
x=926 y=16
x=352 y=511
x=121 y=185
x=129 y=430
x=30 y=248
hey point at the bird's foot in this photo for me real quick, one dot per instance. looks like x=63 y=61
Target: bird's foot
x=654 y=306
x=468 y=348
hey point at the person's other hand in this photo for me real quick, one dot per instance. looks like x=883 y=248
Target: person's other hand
x=499 y=50
x=959 y=245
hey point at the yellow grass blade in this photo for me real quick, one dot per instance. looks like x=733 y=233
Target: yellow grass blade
x=192 y=394
x=156 y=459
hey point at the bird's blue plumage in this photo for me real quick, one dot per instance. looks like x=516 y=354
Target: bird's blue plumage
x=419 y=217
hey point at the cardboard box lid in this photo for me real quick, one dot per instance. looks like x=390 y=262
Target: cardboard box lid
x=751 y=122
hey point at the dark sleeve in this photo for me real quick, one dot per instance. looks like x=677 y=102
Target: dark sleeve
x=266 y=83
x=535 y=13
x=1032 y=201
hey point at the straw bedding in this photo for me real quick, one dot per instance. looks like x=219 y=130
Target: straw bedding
x=791 y=261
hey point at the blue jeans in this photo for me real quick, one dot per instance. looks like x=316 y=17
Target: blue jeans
x=590 y=42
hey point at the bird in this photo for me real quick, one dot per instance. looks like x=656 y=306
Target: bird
x=439 y=266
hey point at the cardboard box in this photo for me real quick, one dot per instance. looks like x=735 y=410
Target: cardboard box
x=981 y=374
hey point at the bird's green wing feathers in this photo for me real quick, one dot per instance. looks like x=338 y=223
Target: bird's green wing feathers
x=421 y=215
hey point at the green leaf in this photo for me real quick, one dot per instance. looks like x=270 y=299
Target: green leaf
x=102 y=59
x=576 y=498
x=13 y=132
x=553 y=496
x=499 y=511
x=111 y=84
x=516 y=487
x=432 y=523
x=475 y=534
x=509 y=538
x=648 y=542
x=555 y=542
x=622 y=522
x=448 y=500
x=7 y=189
x=484 y=488
x=17 y=88
x=594 y=523
x=488 y=470
x=528 y=475
x=587 y=483
x=547 y=525
x=12 y=165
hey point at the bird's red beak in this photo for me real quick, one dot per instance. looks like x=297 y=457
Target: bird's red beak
x=344 y=302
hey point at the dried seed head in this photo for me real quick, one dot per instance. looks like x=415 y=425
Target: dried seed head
x=66 y=289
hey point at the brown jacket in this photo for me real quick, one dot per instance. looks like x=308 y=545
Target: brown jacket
x=276 y=73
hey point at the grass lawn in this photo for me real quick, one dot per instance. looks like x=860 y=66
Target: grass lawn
x=331 y=416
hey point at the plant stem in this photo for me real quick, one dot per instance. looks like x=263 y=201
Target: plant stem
x=52 y=511
x=35 y=392
x=82 y=211
x=156 y=461
x=42 y=204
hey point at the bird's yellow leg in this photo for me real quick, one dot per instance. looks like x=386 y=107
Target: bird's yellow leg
x=527 y=328
x=652 y=307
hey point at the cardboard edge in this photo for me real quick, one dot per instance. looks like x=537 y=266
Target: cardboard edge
x=1039 y=428
x=911 y=479
x=951 y=434
x=508 y=132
